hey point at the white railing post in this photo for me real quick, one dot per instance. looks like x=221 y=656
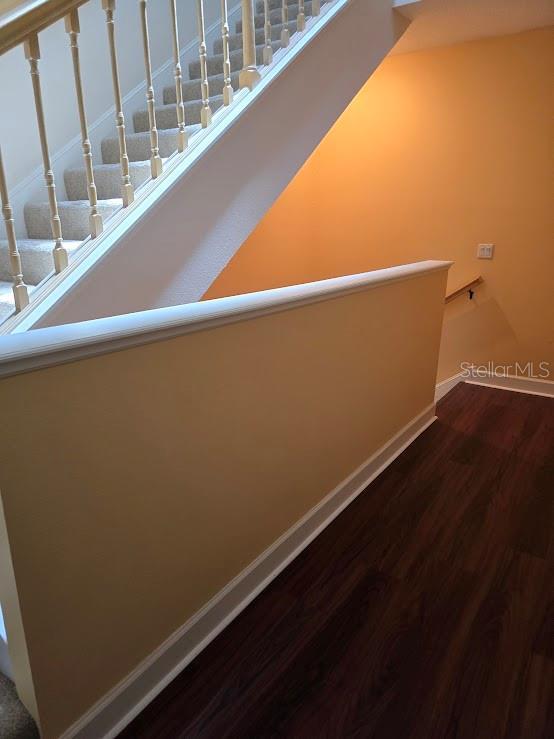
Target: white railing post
x=301 y=17
x=20 y=292
x=206 y=112
x=227 y=87
x=268 y=49
x=127 y=192
x=59 y=253
x=155 y=158
x=285 y=34
x=72 y=27
x=316 y=7
x=249 y=75
x=182 y=138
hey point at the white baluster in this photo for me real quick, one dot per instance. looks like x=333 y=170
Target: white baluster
x=227 y=87
x=316 y=7
x=127 y=192
x=32 y=53
x=20 y=292
x=182 y=138
x=301 y=17
x=285 y=34
x=249 y=75
x=73 y=29
x=268 y=49
x=206 y=112
x=155 y=159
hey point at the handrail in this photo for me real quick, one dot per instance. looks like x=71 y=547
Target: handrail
x=467 y=288
x=58 y=344
x=31 y=17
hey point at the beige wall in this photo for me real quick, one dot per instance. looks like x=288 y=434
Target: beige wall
x=137 y=484
x=442 y=150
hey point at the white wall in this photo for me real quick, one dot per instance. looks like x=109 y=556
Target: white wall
x=18 y=128
x=178 y=248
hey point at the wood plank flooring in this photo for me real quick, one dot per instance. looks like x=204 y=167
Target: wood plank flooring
x=426 y=610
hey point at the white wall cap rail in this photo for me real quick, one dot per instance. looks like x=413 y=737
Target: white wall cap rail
x=70 y=342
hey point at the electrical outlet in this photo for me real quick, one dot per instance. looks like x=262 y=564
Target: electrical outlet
x=485 y=251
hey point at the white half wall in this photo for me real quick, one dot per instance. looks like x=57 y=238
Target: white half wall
x=178 y=248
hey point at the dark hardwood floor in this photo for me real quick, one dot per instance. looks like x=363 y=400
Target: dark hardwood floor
x=425 y=610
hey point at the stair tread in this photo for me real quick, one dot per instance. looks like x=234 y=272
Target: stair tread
x=7 y=304
x=166 y=115
x=236 y=38
x=107 y=178
x=115 y=166
x=138 y=144
x=136 y=135
x=275 y=15
x=36 y=258
x=191 y=88
x=74 y=204
x=74 y=215
x=235 y=58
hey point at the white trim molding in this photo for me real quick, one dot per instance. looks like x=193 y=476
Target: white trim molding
x=444 y=387
x=127 y=699
x=515 y=383
x=23 y=352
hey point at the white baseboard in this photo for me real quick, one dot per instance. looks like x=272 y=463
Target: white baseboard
x=444 y=387
x=529 y=385
x=127 y=699
x=517 y=384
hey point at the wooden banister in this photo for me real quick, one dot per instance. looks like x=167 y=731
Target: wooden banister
x=31 y=17
x=467 y=288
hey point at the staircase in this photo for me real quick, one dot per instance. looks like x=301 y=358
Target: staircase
x=35 y=251
x=110 y=201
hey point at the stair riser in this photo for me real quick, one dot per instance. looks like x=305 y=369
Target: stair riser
x=275 y=17
x=167 y=117
x=192 y=91
x=74 y=219
x=273 y=5
x=235 y=41
x=138 y=147
x=107 y=181
x=36 y=259
x=215 y=63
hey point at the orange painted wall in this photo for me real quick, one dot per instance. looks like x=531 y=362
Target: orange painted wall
x=441 y=150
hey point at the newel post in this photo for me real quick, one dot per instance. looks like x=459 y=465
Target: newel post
x=249 y=75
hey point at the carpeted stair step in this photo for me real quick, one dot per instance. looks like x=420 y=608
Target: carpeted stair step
x=276 y=17
x=7 y=307
x=36 y=258
x=273 y=5
x=235 y=41
x=166 y=115
x=15 y=720
x=192 y=91
x=107 y=178
x=215 y=63
x=74 y=215
x=138 y=145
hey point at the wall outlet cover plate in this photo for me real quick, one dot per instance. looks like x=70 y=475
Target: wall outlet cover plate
x=485 y=251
